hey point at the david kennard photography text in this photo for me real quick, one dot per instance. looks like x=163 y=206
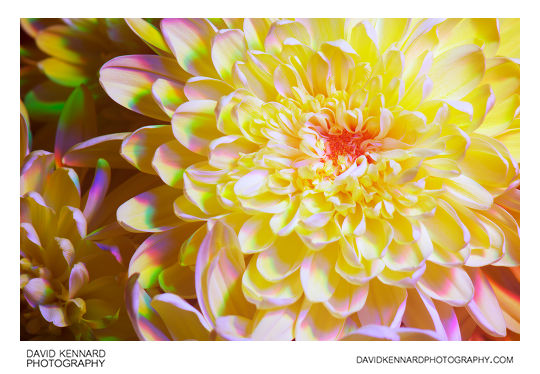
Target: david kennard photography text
x=65 y=357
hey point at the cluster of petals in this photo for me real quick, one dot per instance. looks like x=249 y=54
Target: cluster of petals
x=73 y=252
x=336 y=174
x=317 y=179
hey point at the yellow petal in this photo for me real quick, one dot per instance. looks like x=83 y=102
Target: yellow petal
x=454 y=236
x=457 y=72
x=183 y=321
x=390 y=30
x=190 y=41
x=451 y=285
x=314 y=322
x=363 y=39
x=62 y=188
x=468 y=192
x=279 y=261
x=384 y=305
x=256 y=30
x=128 y=80
x=228 y=46
x=194 y=125
x=64 y=73
x=202 y=88
x=149 y=34
x=139 y=147
x=488 y=163
x=484 y=308
x=406 y=257
x=500 y=117
x=218 y=272
x=255 y=235
x=170 y=160
x=267 y=295
x=509 y=33
x=157 y=252
x=319 y=280
x=483 y=32
x=275 y=324
x=374 y=242
x=282 y=30
x=64 y=43
x=347 y=299
x=168 y=95
x=151 y=211
x=503 y=75
x=87 y=153
x=511 y=140
x=324 y=29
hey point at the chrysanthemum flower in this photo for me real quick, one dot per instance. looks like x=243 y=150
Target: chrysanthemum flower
x=73 y=253
x=59 y=55
x=351 y=172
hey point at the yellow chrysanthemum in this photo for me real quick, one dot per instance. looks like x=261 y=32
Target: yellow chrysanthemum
x=72 y=276
x=352 y=173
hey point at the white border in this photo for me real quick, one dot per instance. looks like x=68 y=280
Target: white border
x=255 y=357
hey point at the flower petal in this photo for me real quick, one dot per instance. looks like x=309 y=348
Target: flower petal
x=194 y=125
x=484 y=307
x=275 y=324
x=183 y=321
x=314 y=322
x=87 y=153
x=511 y=140
x=390 y=30
x=456 y=72
x=347 y=298
x=64 y=43
x=466 y=191
x=170 y=161
x=218 y=273
x=319 y=280
x=62 y=189
x=279 y=261
x=168 y=95
x=149 y=34
x=455 y=234
x=38 y=291
x=145 y=320
x=128 y=80
x=77 y=279
x=35 y=171
x=158 y=252
x=190 y=40
x=151 y=211
x=282 y=30
x=203 y=88
x=509 y=33
x=384 y=305
x=510 y=228
x=228 y=46
x=267 y=295
x=451 y=285
x=98 y=189
x=255 y=30
x=179 y=280
x=374 y=242
x=64 y=73
x=54 y=313
x=139 y=147
x=255 y=234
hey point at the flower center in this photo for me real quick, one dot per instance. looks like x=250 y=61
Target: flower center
x=345 y=147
